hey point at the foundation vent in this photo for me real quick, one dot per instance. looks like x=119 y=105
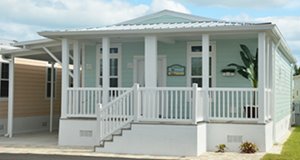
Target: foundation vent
x=44 y=124
x=234 y=138
x=86 y=133
x=1 y=127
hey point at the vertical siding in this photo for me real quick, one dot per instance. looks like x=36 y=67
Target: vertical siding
x=29 y=95
x=283 y=87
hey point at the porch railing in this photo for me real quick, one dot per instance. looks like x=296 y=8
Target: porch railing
x=82 y=102
x=174 y=104
x=233 y=104
x=166 y=104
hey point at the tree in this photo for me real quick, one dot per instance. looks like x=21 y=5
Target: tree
x=250 y=68
x=297 y=70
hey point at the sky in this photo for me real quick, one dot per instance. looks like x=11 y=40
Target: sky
x=21 y=19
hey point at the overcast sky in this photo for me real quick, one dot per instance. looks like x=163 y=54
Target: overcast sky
x=21 y=19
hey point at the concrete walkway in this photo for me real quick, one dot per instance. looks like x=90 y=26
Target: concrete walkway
x=33 y=145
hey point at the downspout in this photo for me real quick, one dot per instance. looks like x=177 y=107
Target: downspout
x=51 y=98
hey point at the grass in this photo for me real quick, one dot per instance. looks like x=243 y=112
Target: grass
x=290 y=150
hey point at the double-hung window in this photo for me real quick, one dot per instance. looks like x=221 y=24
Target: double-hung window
x=4 y=80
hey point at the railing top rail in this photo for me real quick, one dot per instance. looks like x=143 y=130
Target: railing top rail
x=118 y=98
x=96 y=88
x=233 y=89
x=167 y=88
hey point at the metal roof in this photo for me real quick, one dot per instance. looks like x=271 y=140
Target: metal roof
x=158 y=26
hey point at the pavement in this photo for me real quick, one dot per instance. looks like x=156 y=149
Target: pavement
x=43 y=146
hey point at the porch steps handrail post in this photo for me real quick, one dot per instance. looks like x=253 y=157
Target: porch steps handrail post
x=98 y=127
x=136 y=101
x=195 y=103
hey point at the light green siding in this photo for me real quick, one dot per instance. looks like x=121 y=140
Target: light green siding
x=176 y=54
x=90 y=66
x=283 y=87
x=228 y=51
x=129 y=50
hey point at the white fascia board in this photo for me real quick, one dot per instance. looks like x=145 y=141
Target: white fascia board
x=59 y=34
x=283 y=45
x=33 y=42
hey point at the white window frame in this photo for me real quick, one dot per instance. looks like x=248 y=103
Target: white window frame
x=191 y=54
x=4 y=79
x=54 y=82
x=115 y=56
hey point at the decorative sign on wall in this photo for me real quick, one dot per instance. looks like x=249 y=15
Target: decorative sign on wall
x=176 y=70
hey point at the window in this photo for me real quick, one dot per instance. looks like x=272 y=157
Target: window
x=194 y=58
x=48 y=82
x=4 y=80
x=114 y=67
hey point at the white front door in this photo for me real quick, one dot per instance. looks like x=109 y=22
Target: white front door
x=139 y=73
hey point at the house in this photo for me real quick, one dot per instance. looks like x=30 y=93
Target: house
x=153 y=85
x=32 y=86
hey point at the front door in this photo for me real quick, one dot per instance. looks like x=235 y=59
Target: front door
x=139 y=75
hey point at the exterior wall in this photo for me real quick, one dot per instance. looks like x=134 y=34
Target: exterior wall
x=283 y=87
x=77 y=132
x=159 y=139
x=227 y=51
x=234 y=134
x=30 y=102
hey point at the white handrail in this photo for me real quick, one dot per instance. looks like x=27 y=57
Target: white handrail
x=116 y=114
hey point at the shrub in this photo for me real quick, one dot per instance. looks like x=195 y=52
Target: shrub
x=221 y=148
x=248 y=147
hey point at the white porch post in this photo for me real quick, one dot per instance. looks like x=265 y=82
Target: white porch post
x=105 y=67
x=10 y=113
x=76 y=59
x=51 y=98
x=205 y=74
x=150 y=61
x=64 y=76
x=261 y=77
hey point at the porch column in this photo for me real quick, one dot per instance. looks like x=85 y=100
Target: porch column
x=105 y=67
x=261 y=77
x=64 y=76
x=205 y=74
x=150 y=61
x=10 y=112
x=76 y=59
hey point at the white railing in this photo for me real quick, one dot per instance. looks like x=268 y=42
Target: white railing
x=82 y=102
x=116 y=114
x=233 y=104
x=166 y=104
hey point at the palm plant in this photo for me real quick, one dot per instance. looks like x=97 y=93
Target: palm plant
x=250 y=68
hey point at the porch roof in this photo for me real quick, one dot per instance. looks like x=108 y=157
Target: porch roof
x=162 y=22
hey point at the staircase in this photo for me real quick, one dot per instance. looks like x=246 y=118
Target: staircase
x=115 y=117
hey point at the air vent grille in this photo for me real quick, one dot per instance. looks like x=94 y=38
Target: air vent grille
x=234 y=138
x=86 y=133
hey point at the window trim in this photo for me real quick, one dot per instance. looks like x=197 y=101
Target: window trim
x=4 y=98
x=54 y=81
x=190 y=54
x=117 y=56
